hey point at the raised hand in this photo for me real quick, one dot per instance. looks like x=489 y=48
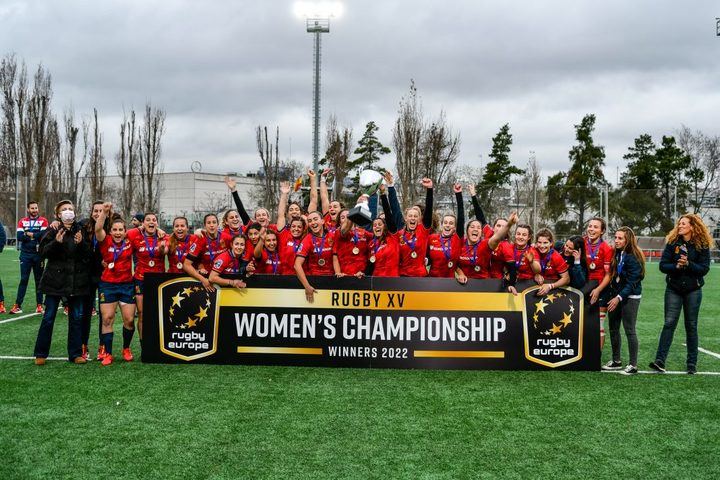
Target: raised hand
x=388 y=176
x=457 y=188
x=285 y=188
x=513 y=218
x=231 y=183
x=311 y=173
x=471 y=189
x=60 y=235
x=77 y=237
x=426 y=182
x=107 y=206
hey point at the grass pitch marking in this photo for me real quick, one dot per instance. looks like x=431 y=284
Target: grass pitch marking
x=14 y=357
x=19 y=318
x=700 y=349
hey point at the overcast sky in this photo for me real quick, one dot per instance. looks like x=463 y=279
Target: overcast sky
x=220 y=68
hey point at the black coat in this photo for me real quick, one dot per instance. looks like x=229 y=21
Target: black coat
x=67 y=271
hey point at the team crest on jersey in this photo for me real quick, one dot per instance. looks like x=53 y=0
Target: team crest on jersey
x=193 y=247
x=188 y=319
x=553 y=326
x=218 y=263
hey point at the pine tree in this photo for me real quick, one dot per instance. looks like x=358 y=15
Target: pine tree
x=498 y=172
x=370 y=149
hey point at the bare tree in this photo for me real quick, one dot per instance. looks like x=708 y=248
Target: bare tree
x=149 y=153
x=9 y=158
x=96 y=169
x=126 y=161
x=338 y=148
x=270 y=174
x=704 y=172
x=407 y=138
x=439 y=152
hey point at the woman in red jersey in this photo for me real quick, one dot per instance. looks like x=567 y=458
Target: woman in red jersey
x=414 y=237
x=146 y=241
x=331 y=209
x=204 y=250
x=553 y=269
x=315 y=253
x=599 y=257
x=350 y=251
x=267 y=258
x=445 y=246
x=384 y=248
x=487 y=229
x=522 y=257
x=116 y=286
x=230 y=264
x=232 y=227
x=290 y=240
x=474 y=259
x=177 y=245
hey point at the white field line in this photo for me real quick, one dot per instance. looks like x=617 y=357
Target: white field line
x=19 y=318
x=13 y=357
x=713 y=354
x=653 y=372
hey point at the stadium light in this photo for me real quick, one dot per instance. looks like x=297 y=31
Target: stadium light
x=317 y=19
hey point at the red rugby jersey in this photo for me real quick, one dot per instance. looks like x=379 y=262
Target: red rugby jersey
x=352 y=250
x=552 y=264
x=413 y=245
x=146 y=250
x=177 y=255
x=119 y=257
x=524 y=268
x=318 y=254
x=386 y=252
x=474 y=260
x=288 y=248
x=227 y=234
x=599 y=257
x=268 y=263
x=498 y=258
x=204 y=250
x=443 y=251
x=227 y=263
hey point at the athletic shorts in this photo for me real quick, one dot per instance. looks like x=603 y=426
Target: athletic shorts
x=116 y=292
x=138 y=286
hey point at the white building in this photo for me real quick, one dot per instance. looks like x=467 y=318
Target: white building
x=193 y=194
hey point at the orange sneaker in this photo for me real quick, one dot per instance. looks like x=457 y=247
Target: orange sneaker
x=107 y=360
x=2 y=307
x=39 y=308
x=16 y=309
x=101 y=353
x=127 y=355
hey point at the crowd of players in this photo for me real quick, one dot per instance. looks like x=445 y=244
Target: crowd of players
x=105 y=258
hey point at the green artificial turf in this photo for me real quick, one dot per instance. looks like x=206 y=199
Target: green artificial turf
x=133 y=420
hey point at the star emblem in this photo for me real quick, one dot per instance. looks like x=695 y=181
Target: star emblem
x=555 y=329
x=187 y=291
x=177 y=299
x=540 y=306
x=191 y=323
x=202 y=313
x=566 y=320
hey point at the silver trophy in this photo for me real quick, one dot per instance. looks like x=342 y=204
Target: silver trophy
x=370 y=181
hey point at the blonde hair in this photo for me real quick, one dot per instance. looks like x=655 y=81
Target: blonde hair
x=699 y=234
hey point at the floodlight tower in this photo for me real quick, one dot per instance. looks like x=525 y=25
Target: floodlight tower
x=317 y=21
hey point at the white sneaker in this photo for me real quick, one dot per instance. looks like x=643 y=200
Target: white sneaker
x=612 y=366
x=630 y=370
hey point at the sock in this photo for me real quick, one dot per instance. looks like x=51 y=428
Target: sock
x=107 y=341
x=127 y=337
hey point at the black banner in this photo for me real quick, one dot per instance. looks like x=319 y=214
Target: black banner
x=432 y=323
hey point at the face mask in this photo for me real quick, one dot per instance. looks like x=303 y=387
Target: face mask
x=67 y=215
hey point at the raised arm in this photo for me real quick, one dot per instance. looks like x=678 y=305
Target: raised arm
x=479 y=214
x=100 y=222
x=428 y=213
x=502 y=232
x=313 y=205
x=282 y=206
x=457 y=188
x=232 y=185
x=324 y=196
x=387 y=209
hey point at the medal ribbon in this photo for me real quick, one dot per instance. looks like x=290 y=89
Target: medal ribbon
x=274 y=259
x=621 y=263
x=544 y=262
x=593 y=252
x=151 y=251
x=318 y=251
x=116 y=252
x=446 y=246
x=475 y=249
x=518 y=260
x=182 y=253
x=210 y=247
x=236 y=260
x=413 y=237
x=355 y=237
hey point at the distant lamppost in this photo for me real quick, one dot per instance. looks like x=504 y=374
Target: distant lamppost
x=317 y=18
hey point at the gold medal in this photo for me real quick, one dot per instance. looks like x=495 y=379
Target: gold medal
x=450 y=264
x=111 y=265
x=413 y=254
x=372 y=259
x=151 y=263
x=592 y=265
x=179 y=265
x=617 y=279
x=356 y=250
x=477 y=268
x=321 y=262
